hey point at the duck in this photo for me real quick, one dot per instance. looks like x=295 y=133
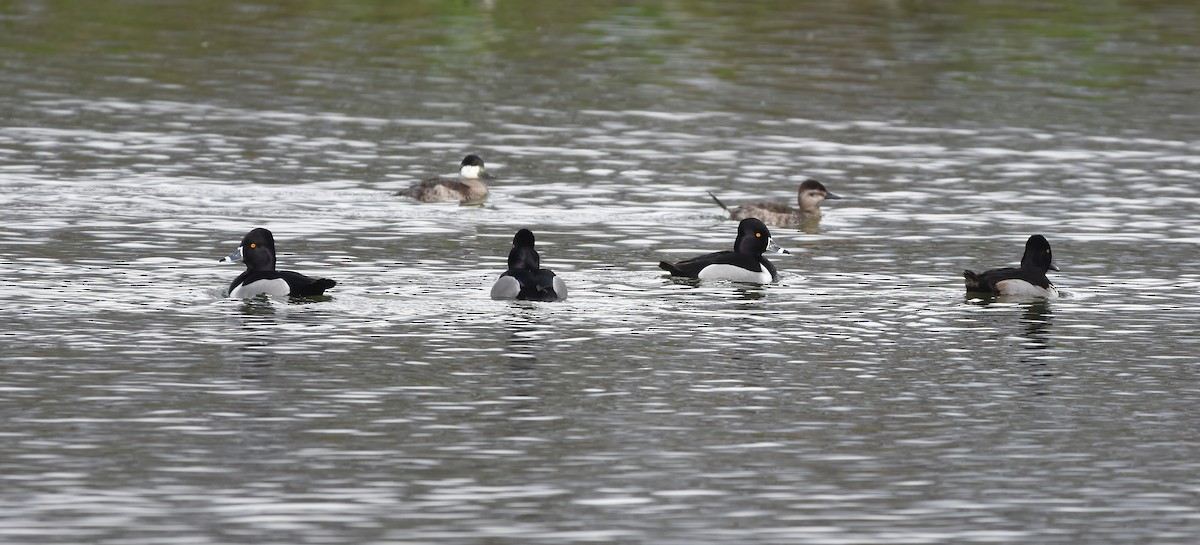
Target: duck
x=745 y=263
x=525 y=278
x=808 y=197
x=468 y=188
x=1027 y=280
x=257 y=251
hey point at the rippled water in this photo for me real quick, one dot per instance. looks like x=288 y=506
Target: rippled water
x=863 y=398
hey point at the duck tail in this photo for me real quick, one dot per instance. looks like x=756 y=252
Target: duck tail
x=671 y=268
x=319 y=286
x=973 y=282
x=309 y=289
x=718 y=201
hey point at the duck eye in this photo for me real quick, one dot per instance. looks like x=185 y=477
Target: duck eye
x=253 y=245
x=757 y=235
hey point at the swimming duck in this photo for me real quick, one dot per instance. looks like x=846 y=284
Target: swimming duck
x=809 y=198
x=468 y=188
x=1028 y=280
x=257 y=251
x=525 y=278
x=745 y=263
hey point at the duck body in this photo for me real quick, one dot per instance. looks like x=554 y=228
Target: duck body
x=257 y=252
x=526 y=285
x=525 y=278
x=727 y=265
x=808 y=197
x=446 y=190
x=772 y=213
x=1028 y=280
x=745 y=263
x=468 y=188
x=277 y=283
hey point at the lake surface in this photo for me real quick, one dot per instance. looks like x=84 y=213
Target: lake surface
x=861 y=399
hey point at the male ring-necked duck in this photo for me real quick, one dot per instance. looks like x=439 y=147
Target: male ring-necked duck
x=1028 y=280
x=745 y=263
x=258 y=253
x=525 y=278
x=468 y=188
x=809 y=197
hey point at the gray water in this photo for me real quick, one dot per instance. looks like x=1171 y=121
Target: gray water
x=861 y=399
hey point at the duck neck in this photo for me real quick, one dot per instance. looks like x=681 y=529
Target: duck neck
x=810 y=208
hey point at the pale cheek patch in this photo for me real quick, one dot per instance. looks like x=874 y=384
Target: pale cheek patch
x=469 y=172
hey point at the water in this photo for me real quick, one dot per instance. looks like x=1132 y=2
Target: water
x=863 y=398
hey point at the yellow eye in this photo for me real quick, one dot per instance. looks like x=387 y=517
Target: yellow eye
x=757 y=235
x=253 y=245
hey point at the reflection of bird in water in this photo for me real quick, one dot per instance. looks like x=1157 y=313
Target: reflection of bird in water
x=253 y=349
x=750 y=294
x=1034 y=341
x=522 y=349
x=524 y=340
x=1036 y=320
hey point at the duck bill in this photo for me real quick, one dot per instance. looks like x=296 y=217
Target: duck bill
x=832 y=196
x=235 y=257
x=1054 y=267
x=775 y=248
x=486 y=175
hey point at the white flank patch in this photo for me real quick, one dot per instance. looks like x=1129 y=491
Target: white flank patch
x=734 y=273
x=560 y=288
x=506 y=287
x=1023 y=288
x=275 y=286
